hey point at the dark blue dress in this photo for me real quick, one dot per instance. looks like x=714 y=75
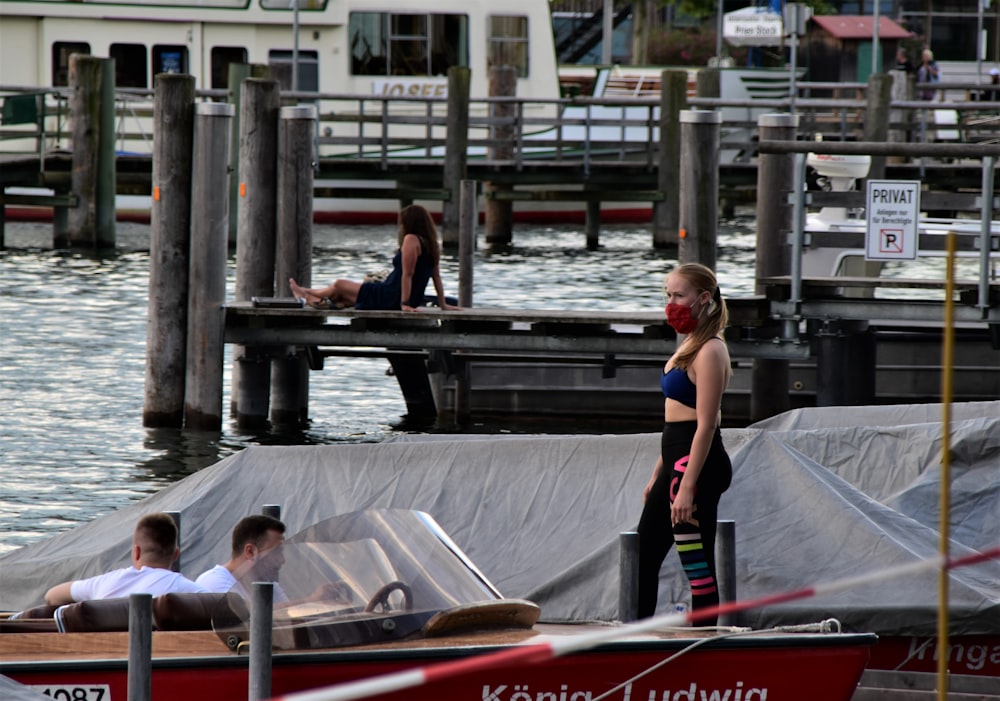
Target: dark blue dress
x=386 y=294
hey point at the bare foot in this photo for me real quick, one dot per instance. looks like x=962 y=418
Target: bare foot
x=300 y=292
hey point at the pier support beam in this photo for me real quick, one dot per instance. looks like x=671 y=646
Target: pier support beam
x=92 y=106
x=207 y=278
x=769 y=391
x=666 y=213
x=456 y=152
x=296 y=164
x=699 y=187
x=255 y=241
x=499 y=213
x=169 y=246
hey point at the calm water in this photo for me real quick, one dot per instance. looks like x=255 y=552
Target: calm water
x=72 y=356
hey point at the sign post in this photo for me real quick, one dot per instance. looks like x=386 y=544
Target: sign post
x=892 y=210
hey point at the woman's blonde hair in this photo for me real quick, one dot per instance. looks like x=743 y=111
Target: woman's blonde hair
x=712 y=321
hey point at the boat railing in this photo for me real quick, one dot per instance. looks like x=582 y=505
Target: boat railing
x=559 y=129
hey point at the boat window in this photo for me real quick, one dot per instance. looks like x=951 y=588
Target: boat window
x=304 y=5
x=508 y=43
x=308 y=61
x=407 y=44
x=130 y=65
x=222 y=57
x=170 y=59
x=61 y=51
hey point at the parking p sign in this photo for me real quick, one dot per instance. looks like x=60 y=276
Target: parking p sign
x=892 y=210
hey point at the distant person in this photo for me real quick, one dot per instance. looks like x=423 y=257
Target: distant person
x=417 y=261
x=993 y=93
x=154 y=550
x=928 y=73
x=254 y=543
x=681 y=499
x=903 y=62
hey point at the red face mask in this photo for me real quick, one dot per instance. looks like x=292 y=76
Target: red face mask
x=679 y=317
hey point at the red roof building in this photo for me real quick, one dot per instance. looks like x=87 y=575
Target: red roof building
x=838 y=48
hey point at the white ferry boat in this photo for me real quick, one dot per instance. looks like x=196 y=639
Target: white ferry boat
x=387 y=47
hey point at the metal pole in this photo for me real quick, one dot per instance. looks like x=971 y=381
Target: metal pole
x=798 y=236
x=628 y=576
x=608 y=28
x=261 y=611
x=875 y=37
x=725 y=567
x=295 y=45
x=989 y=166
x=468 y=215
x=140 y=647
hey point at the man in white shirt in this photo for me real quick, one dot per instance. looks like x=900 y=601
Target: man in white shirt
x=254 y=537
x=154 y=550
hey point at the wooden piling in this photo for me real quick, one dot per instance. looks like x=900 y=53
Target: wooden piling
x=139 y=677
x=769 y=392
x=845 y=364
x=235 y=75
x=666 y=213
x=699 y=187
x=499 y=213
x=876 y=129
x=92 y=106
x=207 y=277
x=296 y=162
x=592 y=224
x=169 y=245
x=255 y=239
x=628 y=576
x=456 y=152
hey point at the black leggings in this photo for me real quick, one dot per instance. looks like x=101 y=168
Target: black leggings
x=696 y=541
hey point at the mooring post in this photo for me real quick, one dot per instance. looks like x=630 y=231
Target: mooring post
x=628 y=576
x=207 y=277
x=456 y=152
x=845 y=363
x=235 y=75
x=769 y=393
x=140 y=647
x=900 y=120
x=169 y=246
x=272 y=510
x=255 y=239
x=666 y=213
x=876 y=128
x=592 y=222
x=92 y=106
x=699 y=187
x=725 y=567
x=499 y=213
x=296 y=169
x=261 y=636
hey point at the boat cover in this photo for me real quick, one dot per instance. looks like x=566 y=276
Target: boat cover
x=10 y=690
x=818 y=496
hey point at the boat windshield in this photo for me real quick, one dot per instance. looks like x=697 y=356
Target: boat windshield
x=365 y=576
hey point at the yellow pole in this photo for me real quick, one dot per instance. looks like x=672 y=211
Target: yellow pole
x=947 y=362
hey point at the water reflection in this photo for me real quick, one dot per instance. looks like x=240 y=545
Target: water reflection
x=72 y=357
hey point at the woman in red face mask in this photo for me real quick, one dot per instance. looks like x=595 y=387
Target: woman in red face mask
x=682 y=497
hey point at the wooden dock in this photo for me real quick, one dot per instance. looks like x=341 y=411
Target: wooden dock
x=598 y=365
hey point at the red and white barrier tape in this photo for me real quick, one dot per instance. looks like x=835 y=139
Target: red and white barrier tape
x=533 y=653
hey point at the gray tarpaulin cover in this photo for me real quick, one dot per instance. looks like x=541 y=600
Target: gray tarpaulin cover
x=818 y=495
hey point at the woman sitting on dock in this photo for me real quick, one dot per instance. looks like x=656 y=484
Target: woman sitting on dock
x=681 y=499
x=417 y=261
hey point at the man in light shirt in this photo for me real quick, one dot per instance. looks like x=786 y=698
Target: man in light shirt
x=253 y=538
x=154 y=550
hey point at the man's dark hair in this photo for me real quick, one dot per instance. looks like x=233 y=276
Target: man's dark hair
x=253 y=529
x=158 y=533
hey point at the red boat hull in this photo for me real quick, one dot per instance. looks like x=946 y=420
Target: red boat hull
x=819 y=668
